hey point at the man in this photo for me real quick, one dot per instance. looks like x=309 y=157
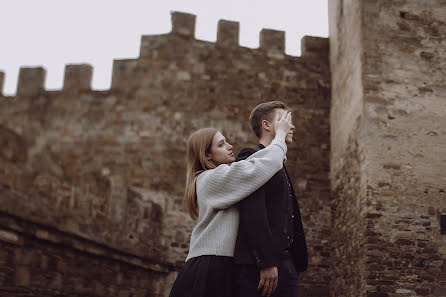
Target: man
x=271 y=249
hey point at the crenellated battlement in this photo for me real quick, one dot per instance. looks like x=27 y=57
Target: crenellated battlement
x=76 y=144
x=172 y=46
x=108 y=166
x=92 y=182
x=183 y=24
x=228 y=33
x=31 y=81
x=314 y=47
x=272 y=41
x=78 y=77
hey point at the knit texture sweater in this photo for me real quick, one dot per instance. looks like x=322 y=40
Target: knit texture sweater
x=219 y=189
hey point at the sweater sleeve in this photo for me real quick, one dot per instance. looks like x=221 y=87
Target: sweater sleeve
x=228 y=184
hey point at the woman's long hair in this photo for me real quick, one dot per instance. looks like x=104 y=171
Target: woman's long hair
x=198 y=145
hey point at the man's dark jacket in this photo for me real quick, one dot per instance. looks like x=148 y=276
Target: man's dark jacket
x=263 y=215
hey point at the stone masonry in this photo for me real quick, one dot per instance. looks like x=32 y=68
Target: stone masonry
x=91 y=182
x=388 y=147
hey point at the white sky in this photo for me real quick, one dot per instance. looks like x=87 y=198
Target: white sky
x=53 y=33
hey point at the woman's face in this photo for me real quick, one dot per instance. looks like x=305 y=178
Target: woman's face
x=221 y=151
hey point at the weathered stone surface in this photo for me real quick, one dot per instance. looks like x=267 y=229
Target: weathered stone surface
x=273 y=43
x=316 y=47
x=98 y=177
x=109 y=167
x=31 y=81
x=348 y=261
x=66 y=265
x=78 y=77
x=388 y=78
x=183 y=24
x=228 y=33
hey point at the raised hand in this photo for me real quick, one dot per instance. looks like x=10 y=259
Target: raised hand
x=282 y=125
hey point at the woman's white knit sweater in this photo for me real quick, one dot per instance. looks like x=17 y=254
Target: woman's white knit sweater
x=220 y=188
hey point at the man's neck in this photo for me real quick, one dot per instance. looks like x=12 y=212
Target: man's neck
x=266 y=140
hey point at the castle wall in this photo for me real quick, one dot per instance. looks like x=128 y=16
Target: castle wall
x=398 y=146
x=39 y=261
x=347 y=150
x=107 y=167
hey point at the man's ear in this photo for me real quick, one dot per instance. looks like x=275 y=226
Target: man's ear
x=266 y=125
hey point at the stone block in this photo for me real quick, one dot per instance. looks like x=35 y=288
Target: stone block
x=22 y=276
x=272 y=41
x=314 y=47
x=78 y=77
x=183 y=24
x=228 y=33
x=439 y=291
x=11 y=237
x=377 y=294
x=31 y=81
x=124 y=72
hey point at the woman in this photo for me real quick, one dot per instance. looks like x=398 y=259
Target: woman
x=213 y=185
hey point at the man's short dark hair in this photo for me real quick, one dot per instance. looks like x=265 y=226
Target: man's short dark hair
x=263 y=111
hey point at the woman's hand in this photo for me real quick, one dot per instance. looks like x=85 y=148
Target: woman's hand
x=282 y=125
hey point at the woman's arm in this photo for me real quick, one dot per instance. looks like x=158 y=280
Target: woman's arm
x=227 y=184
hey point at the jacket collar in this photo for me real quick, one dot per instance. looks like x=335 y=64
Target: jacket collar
x=261 y=147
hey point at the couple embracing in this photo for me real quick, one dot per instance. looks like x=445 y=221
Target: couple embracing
x=248 y=240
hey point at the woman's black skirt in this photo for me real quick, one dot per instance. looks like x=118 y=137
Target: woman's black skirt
x=204 y=276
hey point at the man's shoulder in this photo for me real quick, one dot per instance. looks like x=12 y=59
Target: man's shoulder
x=245 y=153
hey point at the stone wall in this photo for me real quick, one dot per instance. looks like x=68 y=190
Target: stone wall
x=39 y=261
x=347 y=147
x=388 y=97
x=91 y=182
x=107 y=167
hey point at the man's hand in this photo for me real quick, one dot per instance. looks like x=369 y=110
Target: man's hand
x=269 y=278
